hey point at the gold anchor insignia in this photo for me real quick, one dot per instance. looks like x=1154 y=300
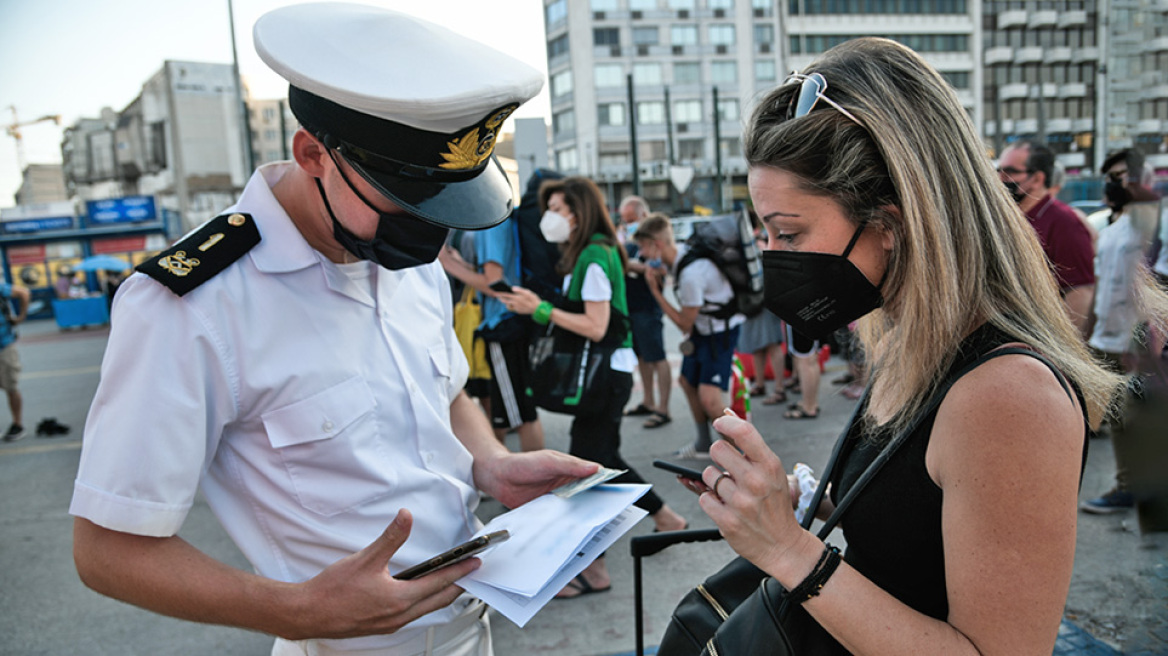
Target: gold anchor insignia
x=471 y=150
x=178 y=264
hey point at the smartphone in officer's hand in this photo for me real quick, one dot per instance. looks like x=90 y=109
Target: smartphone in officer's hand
x=501 y=287
x=684 y=472
x=455 y=555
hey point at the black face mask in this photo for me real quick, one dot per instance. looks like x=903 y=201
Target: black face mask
x=817 y=293
x=401 y=241
x=1116 y=194
x=1015 y=192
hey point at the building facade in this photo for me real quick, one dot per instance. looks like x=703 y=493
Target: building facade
x=41 y=183
x=682 y=53
x=180 y=140
x=1135 y=79
x=272 y=128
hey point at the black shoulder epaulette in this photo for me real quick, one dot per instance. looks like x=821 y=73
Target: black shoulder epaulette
x=196 y=258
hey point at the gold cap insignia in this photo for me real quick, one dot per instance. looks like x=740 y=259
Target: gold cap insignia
x=178 y=264
x=470 y=150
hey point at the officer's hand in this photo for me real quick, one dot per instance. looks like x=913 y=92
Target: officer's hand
x=516 y=478
x=356 y=595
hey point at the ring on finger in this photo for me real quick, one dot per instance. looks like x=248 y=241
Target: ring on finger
x=718 y=480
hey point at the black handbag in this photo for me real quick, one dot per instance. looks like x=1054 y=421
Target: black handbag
x=740 y=610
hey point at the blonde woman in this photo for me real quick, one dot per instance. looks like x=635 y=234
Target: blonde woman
x=880 y=202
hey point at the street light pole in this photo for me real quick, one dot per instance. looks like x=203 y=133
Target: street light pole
x=245 y=126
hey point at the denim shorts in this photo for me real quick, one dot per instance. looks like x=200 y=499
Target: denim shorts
x=648 y=340
x=711 y=360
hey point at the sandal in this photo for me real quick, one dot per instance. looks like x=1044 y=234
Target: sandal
x=758 y=390
x=639 y=411
x=657 y=420
x=798 y=412
x=582 y=587
x=774 y=399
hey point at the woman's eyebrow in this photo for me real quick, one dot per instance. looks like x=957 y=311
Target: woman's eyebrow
x=772 y=215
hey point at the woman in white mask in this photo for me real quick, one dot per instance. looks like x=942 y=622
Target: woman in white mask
x=594 y=265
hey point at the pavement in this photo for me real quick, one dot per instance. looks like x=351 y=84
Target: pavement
x=1117 y=604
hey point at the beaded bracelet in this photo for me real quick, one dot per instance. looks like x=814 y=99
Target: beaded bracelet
x=829 y=560
x=543 y=313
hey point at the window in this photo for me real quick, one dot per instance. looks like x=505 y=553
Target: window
x=762 y=6
x=732 y=147
x=567 y=160
x=608 y=75
x=764 y=33
x=957 y=79
x=610 y=113
x=645 y=36
x=723 y=72
x=269 y=114
x=647 y=74
x=642 y=5
x=728 y=107
x=605 y=5
x=651 y=113
x=681 y=4
x=649 y=151
x=606 y=36
x=687 y=111
x=613 y=160
x=564 y=122
x=683 y=35
x=720 y=4
x=562 y=83
x=556 y=12
x=722 y=35
x=687 y=73
x=689 y=150
x=764 y=71
x=558 y=46
x=269 y=135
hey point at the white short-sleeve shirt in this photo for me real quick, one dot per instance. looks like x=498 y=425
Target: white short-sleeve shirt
x=309 y=404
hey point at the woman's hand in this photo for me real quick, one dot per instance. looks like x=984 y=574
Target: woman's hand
x=753 y=505
x=520 y=300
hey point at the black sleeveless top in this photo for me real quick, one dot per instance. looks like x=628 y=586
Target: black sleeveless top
x=893 y=527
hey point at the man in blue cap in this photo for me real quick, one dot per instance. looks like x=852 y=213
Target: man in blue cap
x=294 y=359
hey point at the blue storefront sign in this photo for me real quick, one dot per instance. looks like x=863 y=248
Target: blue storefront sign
x=131 y=209
x=37 y=225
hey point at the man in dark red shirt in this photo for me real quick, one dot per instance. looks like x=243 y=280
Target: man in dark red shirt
x=1025 y=168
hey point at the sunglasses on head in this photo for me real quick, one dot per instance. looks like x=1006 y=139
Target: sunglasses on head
x=810 y=93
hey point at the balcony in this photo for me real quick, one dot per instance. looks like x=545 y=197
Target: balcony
x=1077 y=18
x=1151 y=126
x=1073 y=90
x=1084 y=125
x=1012 y=18
x=1072 y=160
x=1059 y=125
x=1155 y=93
x=1030 y=55
x=1040 y=19
x=1159 y=44
x=1081 y=55
x=1058 y=55
x=1026 y=126
x=999 y=55
x=1012 y=91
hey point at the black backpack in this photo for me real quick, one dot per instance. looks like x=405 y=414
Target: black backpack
x=727 y=240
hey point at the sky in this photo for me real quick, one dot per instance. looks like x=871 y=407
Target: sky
x=73 y=57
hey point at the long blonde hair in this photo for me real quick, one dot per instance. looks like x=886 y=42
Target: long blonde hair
x=963 y=252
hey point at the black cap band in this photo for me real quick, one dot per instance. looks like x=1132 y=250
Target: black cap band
x=366 y=139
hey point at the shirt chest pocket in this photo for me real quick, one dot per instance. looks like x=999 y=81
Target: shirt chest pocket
x=332 y=447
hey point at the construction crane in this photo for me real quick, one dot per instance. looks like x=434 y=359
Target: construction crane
x=13 y=130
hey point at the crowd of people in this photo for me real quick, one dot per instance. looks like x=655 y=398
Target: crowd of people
x=316 y=394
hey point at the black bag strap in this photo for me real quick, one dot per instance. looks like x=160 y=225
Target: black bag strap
x=891 y=448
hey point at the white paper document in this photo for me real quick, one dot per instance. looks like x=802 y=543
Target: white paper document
x=552 y=540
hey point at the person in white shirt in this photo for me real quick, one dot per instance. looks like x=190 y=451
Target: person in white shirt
x=703 y=293
x=294 y=359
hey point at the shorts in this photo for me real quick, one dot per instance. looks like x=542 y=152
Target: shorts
x=799 y=344
x=648 y=335
x=9 y=367
x=711 y=360
x=511 y=403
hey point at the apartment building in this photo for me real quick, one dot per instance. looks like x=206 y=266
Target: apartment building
x=679 y=51
x=272 y=126
x=1135 y=96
